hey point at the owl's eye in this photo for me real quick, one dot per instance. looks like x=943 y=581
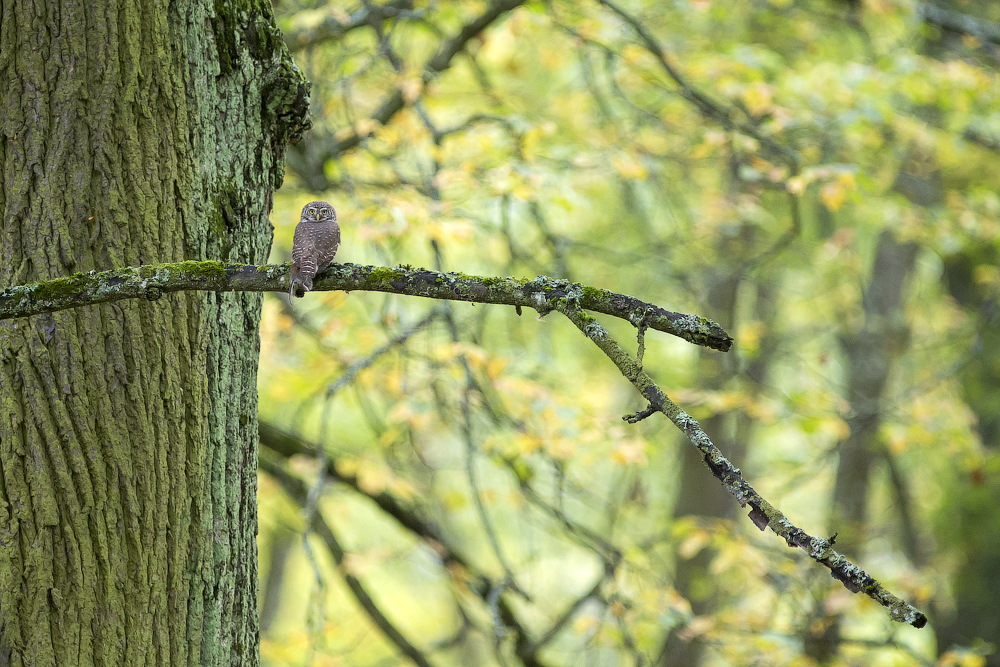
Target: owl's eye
x=312 y=211
x=322 y=211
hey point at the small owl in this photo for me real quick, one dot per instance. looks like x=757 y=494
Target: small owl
x=317 y=237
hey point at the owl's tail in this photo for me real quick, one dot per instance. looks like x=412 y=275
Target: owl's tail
x=294 y=280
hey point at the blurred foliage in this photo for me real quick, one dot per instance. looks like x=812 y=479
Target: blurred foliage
x=739 y=160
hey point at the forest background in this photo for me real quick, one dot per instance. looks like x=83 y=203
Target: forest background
x=819 y=177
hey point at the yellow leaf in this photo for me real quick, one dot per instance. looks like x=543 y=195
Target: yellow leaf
x=699 y=626
x=454 y=500
x=366 y=126
x=390 y=435
x=986 y=274
x=527 y=443
x=411 y=89
x=495 y=367
x=632 y=451
x=348 y=467
x=749 y=336
x=835 y=427
x=372 y=480
x=344 y=133
x=356 y=564
x=971 y=41
x=758 y=97
x=560 y=448
x=962 y=658
x=630 y=168
x=833 y=195
x=693 y=544
x=796 y=184
x=632 y=53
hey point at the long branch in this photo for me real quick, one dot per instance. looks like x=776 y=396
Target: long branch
x=544 y=294
x=763 y=514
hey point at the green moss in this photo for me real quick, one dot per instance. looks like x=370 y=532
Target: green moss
x=60 y=287
x=208 y=268
x=193 y=268
x=383 y=277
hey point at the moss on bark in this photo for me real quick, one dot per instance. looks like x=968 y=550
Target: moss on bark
x=134 y=133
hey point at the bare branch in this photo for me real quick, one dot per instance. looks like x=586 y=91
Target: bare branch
x=287 y=445
x=705 y=104
x=544 y=294
x=988 y=31
x=982 y=137
x=296 y=489
x=333 y=28
x=763 y=514
x=438 y=63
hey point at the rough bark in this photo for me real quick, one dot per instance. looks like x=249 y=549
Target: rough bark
x=133 y=133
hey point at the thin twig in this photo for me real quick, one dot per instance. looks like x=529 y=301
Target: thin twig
x=705 y=104
x=367 y=361
x=438 y=63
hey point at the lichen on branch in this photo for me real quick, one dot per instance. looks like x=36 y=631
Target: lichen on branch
x=762 y=513
x=544 y=294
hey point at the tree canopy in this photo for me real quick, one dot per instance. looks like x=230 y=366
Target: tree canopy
x=819 y=177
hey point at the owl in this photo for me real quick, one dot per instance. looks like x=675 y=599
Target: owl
x=317 y=237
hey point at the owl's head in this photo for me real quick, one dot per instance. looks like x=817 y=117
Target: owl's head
x=318 y=211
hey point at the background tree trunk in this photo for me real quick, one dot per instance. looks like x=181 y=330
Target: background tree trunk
x=134 y=133
x=870 y=352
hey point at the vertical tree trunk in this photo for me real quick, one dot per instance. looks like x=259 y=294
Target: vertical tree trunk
x=134 y=132
x=731 y=431
x=870 y=352
x=967 y=515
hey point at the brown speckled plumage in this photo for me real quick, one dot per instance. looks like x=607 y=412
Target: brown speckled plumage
x=317 y=237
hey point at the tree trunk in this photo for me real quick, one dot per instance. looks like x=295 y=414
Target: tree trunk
x=134 y=133
x=871 y=352
x=966 y=515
